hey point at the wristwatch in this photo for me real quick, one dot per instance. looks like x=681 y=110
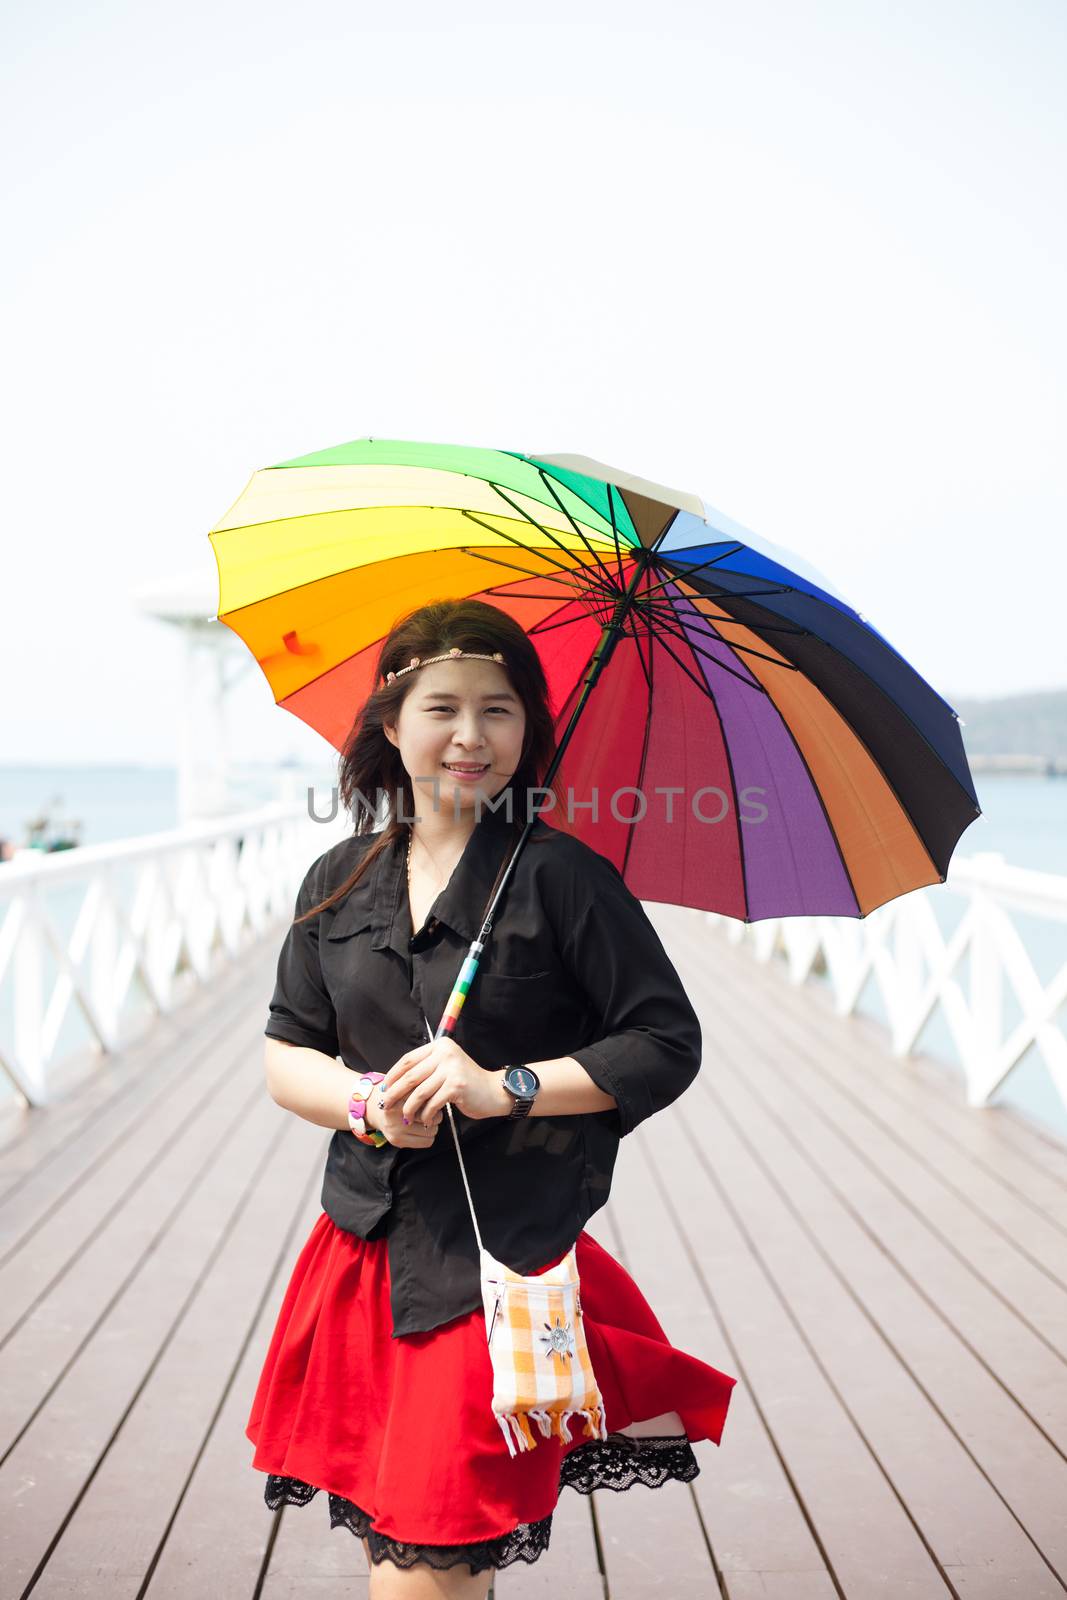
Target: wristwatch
x=522 y=1083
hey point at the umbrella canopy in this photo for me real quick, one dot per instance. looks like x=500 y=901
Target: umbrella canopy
x=755 y=747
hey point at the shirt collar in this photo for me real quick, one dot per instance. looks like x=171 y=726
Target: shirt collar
x=379 y=900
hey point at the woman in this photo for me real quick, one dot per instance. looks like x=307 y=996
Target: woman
x=377 y=1384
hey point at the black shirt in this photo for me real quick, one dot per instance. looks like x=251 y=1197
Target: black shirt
x=572 y=967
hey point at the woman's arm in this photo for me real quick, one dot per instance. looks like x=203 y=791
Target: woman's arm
x=314 y=1086
x=308 y=1083
x=566 y=1090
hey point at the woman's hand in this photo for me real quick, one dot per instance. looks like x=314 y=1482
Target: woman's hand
x=416 y=1135
x=424 y=1080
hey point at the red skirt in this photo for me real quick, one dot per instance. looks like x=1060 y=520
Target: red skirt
x=401 y=1435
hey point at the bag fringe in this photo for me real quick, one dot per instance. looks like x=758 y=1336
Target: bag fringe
x=549 y=1423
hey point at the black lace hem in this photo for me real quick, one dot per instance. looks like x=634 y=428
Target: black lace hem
x=620 y=1461
x=617 y=1462
x=524 y=1543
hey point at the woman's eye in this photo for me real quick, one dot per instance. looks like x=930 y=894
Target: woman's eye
x=488 y=708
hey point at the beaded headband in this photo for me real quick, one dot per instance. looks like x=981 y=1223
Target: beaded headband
x=449 y=655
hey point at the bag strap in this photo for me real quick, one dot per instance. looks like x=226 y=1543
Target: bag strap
x=459 y=1153
x=501 y=870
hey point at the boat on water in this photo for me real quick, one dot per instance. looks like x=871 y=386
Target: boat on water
x=46 y=832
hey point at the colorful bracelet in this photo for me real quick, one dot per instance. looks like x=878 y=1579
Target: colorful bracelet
x=357 y=1110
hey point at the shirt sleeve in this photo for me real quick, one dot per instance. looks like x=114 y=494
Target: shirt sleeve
x=301 y=1011
x=650 y=1051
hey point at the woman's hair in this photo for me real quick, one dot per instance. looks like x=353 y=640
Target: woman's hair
x=370 y=763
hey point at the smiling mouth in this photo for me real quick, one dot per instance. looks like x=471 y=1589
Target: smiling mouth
x=470 y=771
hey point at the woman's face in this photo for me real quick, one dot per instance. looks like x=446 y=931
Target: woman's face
x=458 y=713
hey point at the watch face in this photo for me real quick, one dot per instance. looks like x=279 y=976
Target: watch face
x=521 y=1081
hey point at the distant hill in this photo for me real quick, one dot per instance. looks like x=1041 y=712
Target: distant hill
x=1016 y=725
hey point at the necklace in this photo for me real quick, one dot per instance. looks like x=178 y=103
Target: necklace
x=411 y=913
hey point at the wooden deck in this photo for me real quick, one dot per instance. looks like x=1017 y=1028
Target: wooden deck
x=883 y=1269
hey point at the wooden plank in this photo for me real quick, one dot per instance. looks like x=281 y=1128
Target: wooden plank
x=962 y=1519
x=64 y=1319
x=124 y=1166
x=48 y=1476
x=310 y=1558
x=568 y=1566
x=1030 y=1153
x=754 y=1527
x=652 y=1544
x=1026 y=1228
x=30 y=1137
x=978 y=1137
x=652 y=1540
x=68 y=1168
x=816 y=1262
x=833 y=1196
x=847 y=1501
x=1003 y=1307
x=981 y=1141
x=115 y=1532
x=223 y=1536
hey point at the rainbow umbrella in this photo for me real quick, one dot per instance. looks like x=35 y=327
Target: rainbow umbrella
x=756 y=747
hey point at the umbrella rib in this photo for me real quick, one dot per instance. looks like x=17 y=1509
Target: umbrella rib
x=662 y=613
x=547 y=532
x=730 y=594
x=547 y=473
x=758 y=627
x=615 y=532
x=721 y=665
x=567 y=622
x=528 y=594
x=499 y=531
x=704 y=688
x=638 y=614
x=683 y=638
x=682 y=632
x=552 y=491
x=559 y=567
x=532 y=572
x=646 y=739
x=728 y=757
x=690 y=571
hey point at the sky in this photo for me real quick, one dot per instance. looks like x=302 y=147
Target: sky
x=805 y=260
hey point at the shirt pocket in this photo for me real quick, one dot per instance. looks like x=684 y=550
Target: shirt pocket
x=515 y=1017
x=345 y=946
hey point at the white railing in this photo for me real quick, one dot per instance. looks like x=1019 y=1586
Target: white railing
x=93 y=935
x=88 y=935
x=916 y=966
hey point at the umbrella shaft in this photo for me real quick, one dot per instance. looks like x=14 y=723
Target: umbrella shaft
x=599 y=660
